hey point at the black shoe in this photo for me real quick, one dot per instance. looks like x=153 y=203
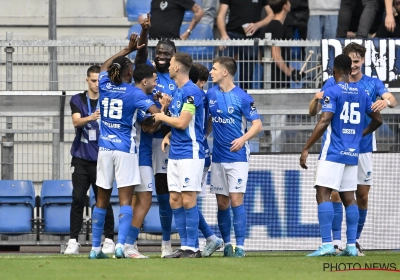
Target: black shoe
x=191 y=254
x=176 y=254
x=360 y=250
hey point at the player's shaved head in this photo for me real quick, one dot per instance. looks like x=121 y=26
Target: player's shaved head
x=342 y=64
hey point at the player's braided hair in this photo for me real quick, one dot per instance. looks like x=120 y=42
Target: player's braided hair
x=115 y=70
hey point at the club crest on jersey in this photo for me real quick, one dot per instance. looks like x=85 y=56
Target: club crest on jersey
x=171 y=86
x=190 y=100
x=150 y=185
x=230 y=109
x=326 y=99
x=163 y=5
x=178 y=104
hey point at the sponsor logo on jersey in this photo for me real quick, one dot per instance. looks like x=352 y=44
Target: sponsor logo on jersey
x=230 y=109
x=327 y=106
x=223 y=120
x=212 y=103
x=111 y=138
x=111 y=87
x=349 y=152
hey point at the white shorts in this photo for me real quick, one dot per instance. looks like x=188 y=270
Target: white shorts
x=364 y=169
x=204 y=181
x=147 y=179
x=229 y=177
x=116 y=165
x=185 y=175
x=337 y=176
x=160 y=159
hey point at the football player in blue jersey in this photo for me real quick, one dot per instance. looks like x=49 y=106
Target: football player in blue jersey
x=230 y=108
x=344 y=108
x=186 y=155
x=117 y=159
x=375 y=88
x=164 y=51
x=199 y=75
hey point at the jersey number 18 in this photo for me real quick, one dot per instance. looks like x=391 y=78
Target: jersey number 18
x=349 y=113
x=112 y=109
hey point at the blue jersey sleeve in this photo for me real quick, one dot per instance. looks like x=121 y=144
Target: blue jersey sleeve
x=192 y=98
x=368 y=104
x=142 y=101
x=249 y=109
x=329 y=101
x=380 y=87
x=330 y=82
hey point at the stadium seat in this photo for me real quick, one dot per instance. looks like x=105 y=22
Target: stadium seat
x=56 y=201
x=151 y=223
x=200 y=32
x=189 y=14
x=136 y=7
x=17 y=203
x=114 y=201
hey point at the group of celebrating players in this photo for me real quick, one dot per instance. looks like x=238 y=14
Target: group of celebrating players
x=154 y=133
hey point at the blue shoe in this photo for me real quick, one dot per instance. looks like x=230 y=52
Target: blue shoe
x=350 y=251
x=324 y=250
x=119 y=253
x=228 y=251
x=211 y=247
x=100 y=255
x=239 y=253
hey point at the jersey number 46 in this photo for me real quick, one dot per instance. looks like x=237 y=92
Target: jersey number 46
x=350 y=113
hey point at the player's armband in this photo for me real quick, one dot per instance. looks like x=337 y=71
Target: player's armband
x=189 y=107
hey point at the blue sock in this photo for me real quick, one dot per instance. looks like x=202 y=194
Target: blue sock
x=361 y=221
x=132 y=235
x=125 y=220
x=180 y=221
x=224 y=224
x=352 y=216
x=325 y=218
x=337 y=220
x=192 y=226
x=239 y=224
x=98 y=218
x=165 y=216
x=204 y=227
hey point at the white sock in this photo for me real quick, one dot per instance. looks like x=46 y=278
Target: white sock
x=240 y=247
x=212 y=238
x=166 y=243
x=185 y=248
x=351 y=245
x=119 y=245
x=337 y=242
x=324 y=243
x=227 y=243
x=96 y=249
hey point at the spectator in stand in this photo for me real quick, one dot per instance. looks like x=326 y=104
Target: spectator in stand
x=167 y=17
x=366 y=20
x=210 y=12
x=393 y=32
x=322 y=24
x=244 y=22
x=297 y=19
x=390 y=22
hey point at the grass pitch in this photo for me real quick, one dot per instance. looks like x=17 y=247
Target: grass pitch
x=256 y=265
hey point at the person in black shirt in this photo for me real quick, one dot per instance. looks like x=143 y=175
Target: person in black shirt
x=167 y=17
x=382 y=30
x=248 y=13
x=84 y=151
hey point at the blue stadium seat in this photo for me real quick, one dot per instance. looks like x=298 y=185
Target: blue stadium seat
x=17 y=203
x=151 y=223
x=56 y=201
x=200 y=32
x=136 y=7
x=189 y=14
x=114 y=201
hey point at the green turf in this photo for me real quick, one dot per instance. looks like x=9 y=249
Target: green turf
x=265 y=265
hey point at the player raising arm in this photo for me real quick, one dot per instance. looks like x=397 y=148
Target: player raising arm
x=344 y=109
